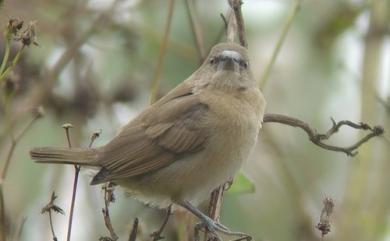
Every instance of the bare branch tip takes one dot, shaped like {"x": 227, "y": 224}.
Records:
{"x": 14, "y": 25}
{"x": 67, "y": 126}
{"x": 136, "y": 220}
{"x": 108, "y": 198}
{"x": 28, "y": 36}
{"x": 134, "y": 230}
{"x": 327, "y": 210}
{"x": 96, "y": 134}
{"x": 51, "y": 206}
{"x": 333, "y": 121}
{"x": 378, "y": 130}
{"x": 353, "y": 153}
{"x": 225, "y": 21}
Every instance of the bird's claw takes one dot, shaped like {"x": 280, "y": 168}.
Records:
{"x": 211, "y": 226}
{"x": 156, "y": 236}
{"x": 214, "y": 228}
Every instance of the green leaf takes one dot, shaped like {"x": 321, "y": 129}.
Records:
{"x": 241, "y": 184}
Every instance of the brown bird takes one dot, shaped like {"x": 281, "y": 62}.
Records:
{"x": 185, "y": 145}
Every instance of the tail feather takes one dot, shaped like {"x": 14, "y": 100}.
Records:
{"x": 63, "y": 155}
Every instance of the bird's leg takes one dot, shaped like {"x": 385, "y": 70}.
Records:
{"x": 212, "y": 226}
{"x": 157, "y": 234}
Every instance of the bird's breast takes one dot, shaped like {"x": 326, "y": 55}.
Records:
{"x": 234, "y": 120}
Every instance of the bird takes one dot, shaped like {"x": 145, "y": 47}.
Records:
{"x": 186, "y": 144}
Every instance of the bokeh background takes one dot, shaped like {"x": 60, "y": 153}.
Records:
{"x": 94, "y": 68}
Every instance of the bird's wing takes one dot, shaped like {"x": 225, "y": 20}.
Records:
{"x": 168, "y": 129}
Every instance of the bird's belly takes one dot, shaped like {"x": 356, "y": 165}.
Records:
{"x": 194, "y": 177}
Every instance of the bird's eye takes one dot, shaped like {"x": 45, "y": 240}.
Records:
{"x": 212, "y": 60}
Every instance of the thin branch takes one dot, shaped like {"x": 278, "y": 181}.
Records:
{"x": 327, "y": 209}
{"x": 14, "y": 142}
{"x": 222, "y": 30}
{"x": 231, "y": 30}
{"x": 109, "y": 198}
{"x": 69, "y": 53}
{"x": 13, "y": 63}
{"x": 51, "y": 74}
{"x": 48, "y": 208}
{"x": 52, "y": 227}
{"x": 226, "y": 23}
{"x": 12, "y": 30}
{"x": 236, "y": 6}
{"x": 67, "y": 126}
{"x": 134, "y": 230}
{"x": 317, "y": 138}
{"x": 95, "y": 135}
{"x": 196, "y": 29}
{"x": 157, "y": 234}
{"x": 6, "y": 52}
{"x": 293, "y": 12}
{"x": 215, "y": 205}
{"x": 163, "y": 46}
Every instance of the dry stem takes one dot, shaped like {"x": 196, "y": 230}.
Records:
{"x": 69, "y": 53}
{"x": 294, "y": 10}
{"x": 324, "y": 224}
{"x": 215, "y": 205}
{"x": 109, "y": 198}
{"x": 160, "y": 62}
{"x": 236, "y": 7}
{"x": 75, "y": 181}
{"x": 196, "y": 30}
{"x": 48, "y": 209}
{"x": 157, "y": 235}
{"x": 317, "y": 138}
{"x": 76, "y": 176}
{"x": 14, "y": 141}
{"x": 134, "y": 230}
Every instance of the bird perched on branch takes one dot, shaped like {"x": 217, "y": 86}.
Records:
{"x": 185, "y": 145}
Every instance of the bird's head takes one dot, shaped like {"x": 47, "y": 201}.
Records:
{"x": 228, "y": 64}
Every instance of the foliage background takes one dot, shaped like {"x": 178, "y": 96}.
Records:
{"x": 331, "y": 65}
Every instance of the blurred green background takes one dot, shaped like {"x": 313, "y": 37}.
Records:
{"x": 335, "y": 62}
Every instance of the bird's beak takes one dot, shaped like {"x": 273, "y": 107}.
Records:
{"x": 229, "y": 61}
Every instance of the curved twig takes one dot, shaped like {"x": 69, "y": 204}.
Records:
{"x": 318, "y": 138}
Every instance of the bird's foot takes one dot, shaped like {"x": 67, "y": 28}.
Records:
{"x": 215, "y": 228}
{"x": 156, "y": 236}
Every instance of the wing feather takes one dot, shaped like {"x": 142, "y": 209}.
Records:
{"x": 170, "y": 128}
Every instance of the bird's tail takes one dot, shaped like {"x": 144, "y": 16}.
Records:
{"x": 63, "y": 155}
